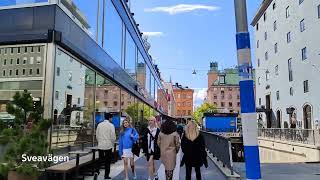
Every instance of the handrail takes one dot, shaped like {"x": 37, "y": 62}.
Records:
{"x": 220, "y": 147}
{"x": 303, "y": 136}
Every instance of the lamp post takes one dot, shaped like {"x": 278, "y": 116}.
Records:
{"x": 247, "y": 100}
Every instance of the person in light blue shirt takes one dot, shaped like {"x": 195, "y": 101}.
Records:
{"x": 128, "y": 136}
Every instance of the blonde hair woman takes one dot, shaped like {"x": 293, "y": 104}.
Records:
{"x": 150, "y": 146}
{"x": 128, "y": 136}
{"x": 193, "y": 143}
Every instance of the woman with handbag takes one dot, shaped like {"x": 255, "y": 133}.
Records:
{"x": 150, "y": 146}
{"x": 127, "y": 139}
{"x": 169, "y": 143}
{"x": 194, "y": 152}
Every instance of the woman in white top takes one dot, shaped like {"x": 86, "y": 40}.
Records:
{"x": 150, "y": 146}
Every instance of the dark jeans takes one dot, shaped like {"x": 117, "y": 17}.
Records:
{"x": 189, "y": 171}
{"x": 104, "y": 157}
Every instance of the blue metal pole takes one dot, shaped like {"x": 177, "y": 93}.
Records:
{"x": 247, "y": 99}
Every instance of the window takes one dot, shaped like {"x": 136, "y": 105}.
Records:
{"x": 238, "y": 104}
{"x": 11, "y": 50}
{"x": 274, "y": 6}
{"x": 274, "y": 25}
{"x": 23, "y": 72}
{"x": 305, "y": 86}
{"x": 258, "y": 44}
{"x": 38, "y": 60}
{"x": 259, "y": 101}
{"x": 5, "y": 62}
{"x": 259, "y": 80}
{"x": 4, "y": 73}
{"x": 258, "y": 62}
{"x": 276, "y": 70}
{"x": 257, "y": 26}
{"x": 17, "y": 72}
{"x": 290, "y": 70}
{"x": 70, "y": 76}
{"x": 10, "y": 72}
{"x": 222, "y": 104}
{"x": 18, "y": 61}
{"x": 25, "y": 49}
{"x": 179, "y": 96}
{"x": 31, "y": 60}
{"x": 11, "y": 61}
{"x": 179, "y": 104}
{"x": 230, "y": 104}
{"x": 287, "y": 12}
{"x": 183, "y": 104}
{"x": 318, "y": 11}
{"x": 278, "y": 95}
{"x": 222, "y": 94}
{"x": 30, "y": 71}
{"x": 130, "y": 56}
{"x": 288, "y": 37}
{"x": 222, "y": 80}
{"x": 230, "y": 96}
{"x": 24, "y": 60}
{"x": 304, "y": 53}
{"x": 238, "y": 96}
{"x": 215, "y": 97}
{"x": 276, "y": 48}
{"x": 184, "y": 112}
{"x": 266, "y": 56}
{"x": 302, "y": 26}
{"x": 19, "y": 50}
{"x": 267, "y": 75}
{"x": 32, "y": 50}
{"x": 115, "y": 103}
{"x": 38, "y": 71}
{"x": 58, "y": 71}
{"x": 184, "y": 96}
{"x": 291, "y": 91}
{"x": 264, "y": 16}
{"x": 5, "y": 50}
{"x": 189, "y": 112}
{"x": 265, "y": 36}
{"x": 57, "y": 95}
{"x": 300, "y": 1}
{"x": 39, "y": 49}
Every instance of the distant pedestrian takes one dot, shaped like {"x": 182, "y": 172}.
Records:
{"x": 193, "y": 147}
{"x": 293, "y": 123}
{"x": 180, "y": 130}
{"x": 169, "y": 143}
{"x": 150, "y": 147}
{"x": 106, "y": 137}
{"x": 128, "y": 136}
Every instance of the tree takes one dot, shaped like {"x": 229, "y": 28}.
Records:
{"x": 204, "y": 108}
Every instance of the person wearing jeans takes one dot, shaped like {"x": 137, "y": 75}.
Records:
{"x": 106, "y": 137}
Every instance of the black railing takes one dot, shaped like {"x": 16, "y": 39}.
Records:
{"x": 219, "y": 147}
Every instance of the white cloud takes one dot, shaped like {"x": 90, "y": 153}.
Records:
{"x": 199, "y": 95}
{"x": 153, "y": 34}
{"x": 182, "y": 8}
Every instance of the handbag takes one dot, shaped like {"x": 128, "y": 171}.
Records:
{"x": 135, "y": 147}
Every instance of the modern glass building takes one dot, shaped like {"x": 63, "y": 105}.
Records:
{"x": 79, "y": 59}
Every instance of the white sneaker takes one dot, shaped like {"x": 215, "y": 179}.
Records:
{"x": 135, "y": 177}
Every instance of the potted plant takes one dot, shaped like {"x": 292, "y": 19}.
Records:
{"x": 27, "y": 137}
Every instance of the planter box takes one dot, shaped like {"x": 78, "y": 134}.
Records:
{"x": 13, "y": 175}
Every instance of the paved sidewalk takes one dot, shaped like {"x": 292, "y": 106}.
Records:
{"x": 117, "y": 173}
{"x": 298, "y": 171}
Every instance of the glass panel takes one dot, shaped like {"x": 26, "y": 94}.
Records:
{"x": 112, "y": 41}
{"x": 19, "y": 2}
{"x": 130, "y": 60}
{"x": 141, "y": 71}
{"x": 148, "y": 81}
{"x": 86, "y": 13}
{"x": 73, "y": 104}
{"x": 152, "y": 87}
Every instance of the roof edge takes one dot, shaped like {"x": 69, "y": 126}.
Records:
{"x": 265, "y": 4}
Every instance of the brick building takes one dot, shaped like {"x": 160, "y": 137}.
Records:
{"x": 184, "y": 101}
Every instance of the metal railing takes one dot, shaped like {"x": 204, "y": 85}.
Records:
{"x": 220, "y": 147}
{"x": 303, "y": 136}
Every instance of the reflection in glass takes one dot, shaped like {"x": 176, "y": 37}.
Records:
{"x": 112, "y": 41}
{"x": 73, "y": 104}
{"x": 152, "y": 87}
{"x": 148, "y": 81}
{"x": 130, "y": 60}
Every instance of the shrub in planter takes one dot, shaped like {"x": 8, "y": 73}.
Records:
{"x": 21, "y": 141}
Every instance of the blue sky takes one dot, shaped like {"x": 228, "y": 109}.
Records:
{"x": 189, "y": 34}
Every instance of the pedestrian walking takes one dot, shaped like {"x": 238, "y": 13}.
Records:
{"x": 128, "y": 136}
{"x": 169, "y": 143}
{"x": 150, "y": 147}
{"x": 106, "y": 137}
{"x": 180, "y": 130}
{"x": 193, "y": 147}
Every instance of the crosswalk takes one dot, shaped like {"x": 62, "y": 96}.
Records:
{"x": 142, "y": 171}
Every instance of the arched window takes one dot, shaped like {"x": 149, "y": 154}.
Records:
{"x": 307, "y": 113}
{"x": 278, "y": 119}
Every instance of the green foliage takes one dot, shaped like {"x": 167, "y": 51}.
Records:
{"x": 31, "y": 141}
{"x": 204, "y": 108}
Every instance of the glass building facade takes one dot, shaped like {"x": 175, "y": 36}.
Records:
{"x": 94, "y": 61}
